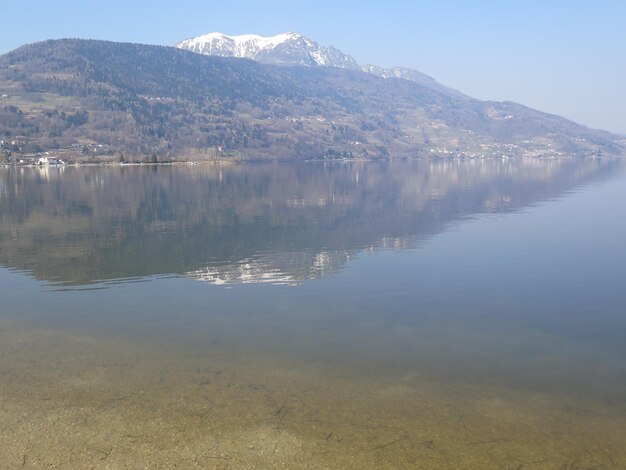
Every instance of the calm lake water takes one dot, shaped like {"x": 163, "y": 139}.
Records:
{"x": 444, "y": 314}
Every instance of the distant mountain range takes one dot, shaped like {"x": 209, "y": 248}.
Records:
{"x": 295, "y": 49}
{"x": 282, "y": 49}
{"x": 86, "y": 98}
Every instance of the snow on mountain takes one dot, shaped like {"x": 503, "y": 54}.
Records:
{"x": 295, "y": 49}
{"x": 282, "y": 49}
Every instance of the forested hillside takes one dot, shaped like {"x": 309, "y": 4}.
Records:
{"x": 105, "y": 98}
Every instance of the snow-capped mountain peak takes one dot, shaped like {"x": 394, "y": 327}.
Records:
{"x": 295, "y": 49}
{"x": 282, "y": 49}
{"x": 241, "y": 45}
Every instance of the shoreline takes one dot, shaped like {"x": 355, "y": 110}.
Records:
{"x": 228, "y": 161}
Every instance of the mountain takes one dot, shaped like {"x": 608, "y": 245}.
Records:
{"x": 282, "y": 49}
{"x": 84, "y": 98}
{"x": 413, "y": 76}
{"x": 295, "y": 49}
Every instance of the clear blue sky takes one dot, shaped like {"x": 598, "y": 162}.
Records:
{"x": 564, "y": 57}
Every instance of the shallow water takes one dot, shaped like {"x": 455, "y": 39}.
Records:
{"x": 402, "y": 315}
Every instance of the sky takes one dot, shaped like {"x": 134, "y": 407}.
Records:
{"x": 562, "y": 57}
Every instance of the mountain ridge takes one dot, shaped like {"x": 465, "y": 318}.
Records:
{"x": 282, "y": 49}
{"x": 293, "y": 48}
{"x": 138, "y": 101}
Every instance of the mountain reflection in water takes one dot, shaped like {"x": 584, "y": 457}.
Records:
{"x": 271, "y": 223}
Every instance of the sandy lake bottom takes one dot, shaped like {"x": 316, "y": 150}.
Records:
{"x": 70, "y": 400}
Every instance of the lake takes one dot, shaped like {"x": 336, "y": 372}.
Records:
{"x": 404, "y": 314}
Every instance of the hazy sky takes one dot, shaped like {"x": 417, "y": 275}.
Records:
{"x": 564, "y": 57}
